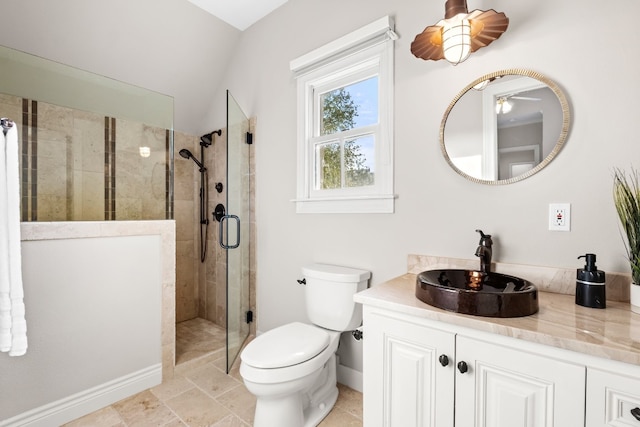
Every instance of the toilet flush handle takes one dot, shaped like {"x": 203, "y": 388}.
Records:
{"x": 302, "y": 282}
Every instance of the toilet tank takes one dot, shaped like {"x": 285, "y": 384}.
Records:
{"x": 329, "y": 295}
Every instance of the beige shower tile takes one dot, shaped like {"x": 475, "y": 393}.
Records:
{"x": 175, "y": 423}
{"x": 52, "y": 208}
{"x": 128, "y": 208}
{"x": 89, "y": 191}
{"x": 349, "y": 400}
{"x": 172, "y": 388}
{"x": 168, "y": 361}
{"x": 241, "y": 402}
{"x": 53, "y": 118}
{"x": 144, "y": 409}
{"x": 128, "y": 135}
{"x": 88, "y": 141}
{"x": 184, "y": 173}
{"x": 195, "y": 408}
{"x": 11, "y": 101}
{"x": 168, "y": 326}
{"x": 185, "y": 363}
{"x": 185, "y": 220}
{"x": 106, "y": 417}
{"x": 154, "y": 137}
{"x": 52, "y": 176}
{"x": 212, "y": 380}
{"x": 235, "y": 369}
{"x": 231, "y": 421}
{"x": 339, "y": 418}
{"x": 131, "y": 174}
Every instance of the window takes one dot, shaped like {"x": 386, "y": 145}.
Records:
{"x": 345, "y": 134}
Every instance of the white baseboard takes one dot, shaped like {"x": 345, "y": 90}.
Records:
{"x": 87, "y": 401}
{"x": 349, "y": 377}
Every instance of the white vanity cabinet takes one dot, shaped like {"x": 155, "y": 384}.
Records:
{"x": 408, "y": 372}
{"x": 515, "y": 386}
{"x": 613, "y": 398}
{"x": 420, "y": 372}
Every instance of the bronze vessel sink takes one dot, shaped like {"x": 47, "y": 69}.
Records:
{"x": 478, "y": 293}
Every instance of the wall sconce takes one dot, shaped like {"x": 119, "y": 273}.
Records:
{"x": 144, "y": 151}
{"x": 459, "y": 33}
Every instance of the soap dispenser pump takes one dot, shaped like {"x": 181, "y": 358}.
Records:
{"x": 590, "y": 288}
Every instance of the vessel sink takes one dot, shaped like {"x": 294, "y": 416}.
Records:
{"x": 477, "y": 293}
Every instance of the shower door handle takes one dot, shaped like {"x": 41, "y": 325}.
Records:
{"x": 221, "y": 232}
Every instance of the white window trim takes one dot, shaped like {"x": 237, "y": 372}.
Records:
{"x": 349, "y": 52}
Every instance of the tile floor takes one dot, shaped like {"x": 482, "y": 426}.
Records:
{"x": 202, "y": 394}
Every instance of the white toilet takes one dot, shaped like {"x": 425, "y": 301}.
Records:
{"x": 292, "y": 369}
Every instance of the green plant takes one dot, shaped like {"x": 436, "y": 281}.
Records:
{"x": 626, "y": 197}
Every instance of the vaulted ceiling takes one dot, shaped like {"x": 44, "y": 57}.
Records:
{"x": 239, "y": 13}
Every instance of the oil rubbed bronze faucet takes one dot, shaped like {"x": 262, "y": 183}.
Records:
{"x": 484, "y": 251}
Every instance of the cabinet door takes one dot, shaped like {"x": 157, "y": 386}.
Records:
{"x": 505, "y": 387}
{"x": 405, "y": 384}
{"x": 613, "y": 400}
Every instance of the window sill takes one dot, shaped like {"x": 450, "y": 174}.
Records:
{"x": 362, "y": 204}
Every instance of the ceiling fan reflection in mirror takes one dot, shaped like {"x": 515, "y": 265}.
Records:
{"x": 503, "y": 106}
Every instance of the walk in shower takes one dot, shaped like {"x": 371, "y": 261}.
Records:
{"x": 95, "y": 149}
{"x": 213, "y": 292}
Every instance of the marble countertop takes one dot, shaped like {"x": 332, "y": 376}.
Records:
{"x": 611, "y": 333}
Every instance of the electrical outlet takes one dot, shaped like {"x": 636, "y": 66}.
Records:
{"x": 559, "y": 216}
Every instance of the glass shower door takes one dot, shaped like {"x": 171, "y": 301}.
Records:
{"x": 236, "y": 229}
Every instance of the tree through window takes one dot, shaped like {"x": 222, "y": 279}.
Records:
{"x": 349, "y": 161}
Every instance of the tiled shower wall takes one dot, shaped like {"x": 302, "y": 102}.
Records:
{"x": 82, "y": 166}
{"x": 201, "y": 287}
{"x": 186, "y": 200}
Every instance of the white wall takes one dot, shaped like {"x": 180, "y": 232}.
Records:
{"x": 93, "y": 302}
{"x": 437, "y": 211}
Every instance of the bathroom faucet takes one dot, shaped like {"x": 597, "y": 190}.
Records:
{"x": 484, "y": 251}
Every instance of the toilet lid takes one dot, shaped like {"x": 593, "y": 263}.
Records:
{"x": 285, "y": 346}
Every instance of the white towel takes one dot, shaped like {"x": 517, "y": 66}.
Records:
{"x": 13, "y": 326}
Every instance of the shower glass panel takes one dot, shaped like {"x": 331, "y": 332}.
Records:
{"x": 91, "y": 148}
{"x": 238, "y": 191}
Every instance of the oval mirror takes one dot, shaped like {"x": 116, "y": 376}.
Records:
{"x": 504, "y": 126}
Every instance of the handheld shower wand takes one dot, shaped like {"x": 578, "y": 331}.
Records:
{"x": 187, "y": 155}
{"x": 205, "y": 141}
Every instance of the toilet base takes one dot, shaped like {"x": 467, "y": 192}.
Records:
{"x": 315, "y": 413}
{"x": 306, "y": 408}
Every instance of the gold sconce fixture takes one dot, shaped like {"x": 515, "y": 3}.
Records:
{"x": 459, "y": 33}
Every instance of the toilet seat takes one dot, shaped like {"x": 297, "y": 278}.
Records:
{"x": 293, "y": 372}
{"x": 287, "y": 345}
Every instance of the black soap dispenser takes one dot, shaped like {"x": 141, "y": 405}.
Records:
{"x": 590, "y": 289}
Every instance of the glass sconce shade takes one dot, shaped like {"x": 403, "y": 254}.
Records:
{"x": 456, "y": 39}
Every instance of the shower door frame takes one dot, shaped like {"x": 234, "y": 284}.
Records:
{"x": 236, "y": 228}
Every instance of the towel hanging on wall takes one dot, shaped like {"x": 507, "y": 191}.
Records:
{"x": 13, "y": 326}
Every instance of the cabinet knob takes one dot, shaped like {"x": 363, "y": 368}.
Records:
{"x": 636, "y": 413}
{"x": 443, "y": 359}
{"x": 462, "y": 367}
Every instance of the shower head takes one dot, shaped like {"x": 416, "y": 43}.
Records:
{"x": 187, "y": 155}
{"x": 207, "y": 139}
